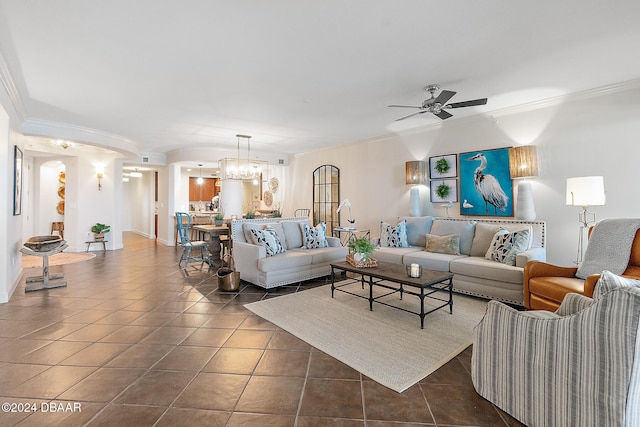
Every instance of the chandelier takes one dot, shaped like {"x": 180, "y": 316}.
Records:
{"x": 241, "y": 169}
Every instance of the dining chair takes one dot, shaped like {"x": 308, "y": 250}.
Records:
{"x": 59, "y": 227}
{"x": 201, "y": 248}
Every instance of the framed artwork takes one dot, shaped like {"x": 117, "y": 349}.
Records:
{"x": 444, "y": 190}
{"x": 486, "y": 188}
{"x": 18, "y": 158}
{"x": 443, "y": 166}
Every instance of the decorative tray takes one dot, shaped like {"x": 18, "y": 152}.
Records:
{"x": 362, "y": 264}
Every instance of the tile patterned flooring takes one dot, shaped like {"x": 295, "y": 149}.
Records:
{"x": 135, "y": 342}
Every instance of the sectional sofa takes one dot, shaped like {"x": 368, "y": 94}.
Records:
{"x": 474, "y": 274}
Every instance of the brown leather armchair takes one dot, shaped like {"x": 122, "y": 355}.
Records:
{"x": 545, "y": 285}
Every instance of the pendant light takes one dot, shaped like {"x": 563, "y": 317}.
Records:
{"x": 200, "y": 181}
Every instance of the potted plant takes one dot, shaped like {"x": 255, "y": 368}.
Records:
{"x": 361, "y": 248}
{"x": 218, "y": 219}
{"x": 99, "y": 229}
{"x": 250, "y": 215}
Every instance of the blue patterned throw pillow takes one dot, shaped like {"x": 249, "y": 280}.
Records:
{"x": 393, "y": 237}
{"x": 505, "y": 245}
{"x": 315, "y": 237}
{"x": 268, "y": 238}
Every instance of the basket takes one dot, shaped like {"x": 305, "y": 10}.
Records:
{"x": 371, "y": 262}
{"x": 228, "y": 277}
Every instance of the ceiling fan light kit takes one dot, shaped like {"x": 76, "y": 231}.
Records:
{"x": 437, "y": 105}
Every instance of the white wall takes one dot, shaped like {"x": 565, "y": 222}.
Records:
{"x": 594, "y": 134}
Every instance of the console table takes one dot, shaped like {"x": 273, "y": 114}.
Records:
{"x": 46, "y": 277}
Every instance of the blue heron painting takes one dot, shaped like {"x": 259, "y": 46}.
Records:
{"x": 485, "y": 183}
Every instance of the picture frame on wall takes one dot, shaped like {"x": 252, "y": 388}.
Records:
{"x": 443, "y": 166}
{"x": 444, "y": 190}
{"x": 18, "y": 159}
{"x": 486, "y": 188}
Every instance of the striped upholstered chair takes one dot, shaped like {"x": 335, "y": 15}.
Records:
{"x": 579, "y": 366}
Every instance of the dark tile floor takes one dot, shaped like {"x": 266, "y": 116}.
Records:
{"x": 134, "y": 342}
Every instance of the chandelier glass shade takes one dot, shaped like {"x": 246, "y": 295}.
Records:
{"x": 237, "y": 168}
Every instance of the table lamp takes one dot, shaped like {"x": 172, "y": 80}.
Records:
{"x": 585, "y": 191}
{"x": 416, "y": 174}
{"x": 523, "y": 163}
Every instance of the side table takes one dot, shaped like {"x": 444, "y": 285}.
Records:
{"x": 345, "y": 234}
{"x": 90, "y": 242}
{"x": 46, "y": 284}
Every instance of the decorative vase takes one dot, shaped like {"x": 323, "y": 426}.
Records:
{"x": 98, "y": 236}
{"x": 358, "y": 256}
{"x": 218, "y": 222}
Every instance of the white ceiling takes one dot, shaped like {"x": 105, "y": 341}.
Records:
{"x": 299, "y": 75}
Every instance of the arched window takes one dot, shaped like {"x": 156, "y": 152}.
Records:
{"x": 326, "y": 196}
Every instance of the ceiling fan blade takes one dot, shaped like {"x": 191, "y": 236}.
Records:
{"x": 404, "y": 106}
{"x": 411, "y": 115}
{"x": 443, "y": 115}
{"x": 471, "y": 103}
{"x": 444, "y": 96}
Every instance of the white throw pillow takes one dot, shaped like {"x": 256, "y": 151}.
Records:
{"x": 505, "y": 246}
{"x": 315, "y": 237}
{"x": 393, "y": 237}
{"x": 268, "y": 238}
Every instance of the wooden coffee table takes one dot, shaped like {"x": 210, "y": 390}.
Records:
{"x": 394, "y": 278}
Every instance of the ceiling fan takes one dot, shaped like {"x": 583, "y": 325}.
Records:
{"x": 437, "y": 105}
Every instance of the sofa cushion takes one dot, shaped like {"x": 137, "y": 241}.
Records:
{"x": 315, "y": 237}
{"x": 449, "y": 244}
{"x": 430, "y": 260}
{"x": 293, "y": 233}
{"x": 285, "y": 261}
{"x": 417, "y": 228}
{"x": 268, "y": 238}
{"x": 465, "y": 229}
{"x": 275, "y": 226}
{"x": 486, "y": 269}
{"x": 325, "y": 255}
{"x": 505, "y": 245}
{"x": 482, "y": 238}
{"x": 393, "y": 237}
{"x": 394, "y": 255}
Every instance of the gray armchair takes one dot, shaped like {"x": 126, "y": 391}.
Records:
{"x": 579, "y": 366}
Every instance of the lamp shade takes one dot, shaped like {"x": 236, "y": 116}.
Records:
{"x": 586, "y": 191}
{"x": 416, "y": 172}
{"x": 523, "y": 161}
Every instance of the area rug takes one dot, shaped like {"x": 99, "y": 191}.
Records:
{"x": 29, "y": 261}
{"x": 386, "y": 344}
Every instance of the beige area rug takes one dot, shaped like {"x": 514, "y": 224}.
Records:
{"x": 29, "y": 261}
{"x": 385, "y": 344}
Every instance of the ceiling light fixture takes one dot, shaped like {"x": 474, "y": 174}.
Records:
{"x": 62, "y": 143}
{"x": 200, "y": 180}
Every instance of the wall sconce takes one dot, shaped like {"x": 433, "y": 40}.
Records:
{"x": 415, "y": 174}
{"x": 523, "y": 163}
{"x": 99, "y": 175}
{"x": 585, "y": 191}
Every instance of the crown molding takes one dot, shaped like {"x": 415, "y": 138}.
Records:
{"x": 80, "y": 134}
{"x": 12, "y": 90}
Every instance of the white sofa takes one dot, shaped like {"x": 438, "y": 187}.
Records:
{"x": 294, "y": 265}
{"x": 473, "y": 274}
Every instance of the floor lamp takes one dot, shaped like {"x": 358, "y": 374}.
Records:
{"x": 416, "y": 175}
{"x": 585, "y": 191}
{"x": 523, "y": 163}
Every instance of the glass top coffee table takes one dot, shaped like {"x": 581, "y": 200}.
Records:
{"x": 394, "y": 278}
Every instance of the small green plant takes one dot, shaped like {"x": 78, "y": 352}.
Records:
{"x": 218, "y": 216}
{"x": 443, "y": 190}
{"x": 100, "y": 228}
{"x": 363, "y": 246}
{"x": 250, "y": 215}
{"x": 442, "y": 165}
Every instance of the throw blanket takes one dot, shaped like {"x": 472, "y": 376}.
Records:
{"x": 609, "y": 247}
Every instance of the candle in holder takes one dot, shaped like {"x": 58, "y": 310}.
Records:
{"x": 414, "y": 270}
